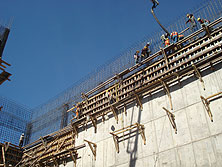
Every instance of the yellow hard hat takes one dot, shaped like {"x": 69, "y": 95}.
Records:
{"x": 198, "y": 19}
{"x": 188, "y": 15}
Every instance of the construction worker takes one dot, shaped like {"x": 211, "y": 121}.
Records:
{"x": 167, "y": 42}
{"x": 192, "y": 21}
{"x": 180, "y": 36}
{"x": 136, "y": 57}
{"x": 78, "y": 110}
{"x": 145, "y": 51}
{"x": 21, "y": 140}
{"x": 163, "y": 38}
{"x": 203, "y": 22}
{"x": 155, "y": 3}
{"x": 110, "y": 97}
{"x": 174, "y": 36}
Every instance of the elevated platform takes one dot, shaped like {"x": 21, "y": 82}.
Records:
{"x": 176, "y": 63}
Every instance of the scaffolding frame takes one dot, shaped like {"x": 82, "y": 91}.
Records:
{"x": 206, "y": 103}
{"x": 116, "y": 134}
{"x": 106, "y": 74}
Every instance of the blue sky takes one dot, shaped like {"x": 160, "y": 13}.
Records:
{"x": 54, "y": 43}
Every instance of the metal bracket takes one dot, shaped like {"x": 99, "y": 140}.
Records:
{"x": 198, "y": 75}
{"x": 93, "y": 147}
{"x": 206, "y": 103}
{"x": 167, "y": 90}
{"x": 171, "y": 117}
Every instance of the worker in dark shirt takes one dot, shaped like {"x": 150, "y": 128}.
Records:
{"x": 21, "y": 140}
{"x": 145, "y": 51}
{"x": 203, "y": 22}
{"x": 192, "y": 23}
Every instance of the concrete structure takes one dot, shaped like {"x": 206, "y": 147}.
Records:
{"x": 198, "y": 141}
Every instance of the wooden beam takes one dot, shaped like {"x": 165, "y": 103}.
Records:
{"x": 167, "y": 90}
{"x": 75, "y": 129}
{"x": 60, "y": 146}
{"x": 141, "y": 131}
{"x": 43, "y": 143}
{"x": 139, "y": 101}
{"x": 207, "y": 29}
{"x": 114, "y": 113}
{"x": 171, "y": 117}
{"x": 74, "y": 157}
{"x": 6, "y": 146}
{"x": 116, "y": 142}
{"x": 124, "y": 109}
{"x": 93, "y": 147}
{"x": 165, "y": 57}
{"x": 206, "y": 104}
{"x": 55, "y": 161}
{"x": 94, "y": 122}
{"x": 3, "y": 156}
{"x": 128, "y": 128}
{"x": 198, "y": 75}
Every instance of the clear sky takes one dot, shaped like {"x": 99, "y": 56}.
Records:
{"x": 54, "y": 43}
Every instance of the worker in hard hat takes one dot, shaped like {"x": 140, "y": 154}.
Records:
{"x": 167, "y": 42}
{"x": 136, "y": 57}
{"x": 145, "y": 51}
{"x": 155, "y": 3}
{"x": 174, "y": 36}
{"x": 192, "y": 23}
{"x": 203, "y": 22}
{"x": 21, "y": 140}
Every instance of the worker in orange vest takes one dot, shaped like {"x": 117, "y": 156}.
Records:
{"x": 167, "y": 42}
{"x": 174, "y": 36}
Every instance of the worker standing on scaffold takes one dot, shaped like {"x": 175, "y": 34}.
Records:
{"x": 145, "y": 53}
{"x": 21, "y": 140}
{"x": 136, "y": 57}
{"x": 192, "y": 21}
{"x": 155, "y": 3}
{"x": 174, "y": 36}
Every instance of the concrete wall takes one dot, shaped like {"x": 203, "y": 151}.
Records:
{"x": 197, "y": 143}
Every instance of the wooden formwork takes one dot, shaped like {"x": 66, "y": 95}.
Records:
{"x": 127, "y": 87}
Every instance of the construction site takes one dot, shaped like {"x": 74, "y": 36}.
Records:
{"x": 163, "y": 111}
